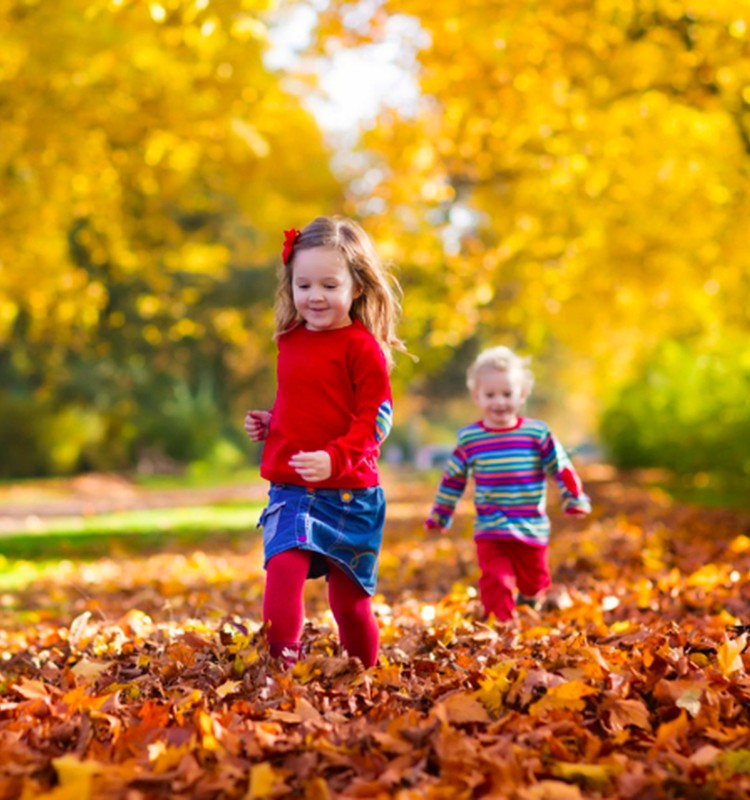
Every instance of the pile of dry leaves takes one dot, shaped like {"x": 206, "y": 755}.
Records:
{"x": 149, "y": 677}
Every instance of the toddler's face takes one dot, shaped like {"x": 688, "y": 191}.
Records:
{"x": 322, "y": 288}
{"x": 500, "y": 395}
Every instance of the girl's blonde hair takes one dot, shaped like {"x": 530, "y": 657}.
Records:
{"x": 377, "y": 293}
{"x": 505, "y": 360}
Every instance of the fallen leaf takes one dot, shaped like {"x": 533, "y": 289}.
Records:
{"x": 729, "y": 654}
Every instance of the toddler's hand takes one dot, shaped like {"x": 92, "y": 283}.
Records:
{"x": 576, "y": 512}
{"x": 313, "y": 466}
{"x": 431, "y": 525}
{"x": 256, "y": 424}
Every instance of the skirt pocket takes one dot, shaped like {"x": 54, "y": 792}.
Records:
{"x": 269, "y": 521}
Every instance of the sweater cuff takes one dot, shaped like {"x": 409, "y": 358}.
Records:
{"x": 335, "y": 457}
{"x": 582, "y": 504}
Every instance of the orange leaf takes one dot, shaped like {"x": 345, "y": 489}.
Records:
{"x": 669, "y": 732}
{"x": 460, "y": 709}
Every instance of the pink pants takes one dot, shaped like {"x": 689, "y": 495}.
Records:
{"x": 508, "y": 565}
{"x": 283, "y": 607}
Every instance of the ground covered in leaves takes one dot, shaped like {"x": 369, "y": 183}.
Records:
{"x": 148, "y": 677}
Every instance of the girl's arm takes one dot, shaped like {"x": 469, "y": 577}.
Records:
{"x": 372, "y": 415}
{"x": 256, "y": 424}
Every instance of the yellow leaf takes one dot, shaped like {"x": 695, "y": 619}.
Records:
{"x": 90, "y": 670}
{"x": 227, "y": 688}
{"x": 164, "y": 758}
{"x": 595, "y": 775}
{"x": 493, "y": 689}
{"x": 75, "y": 779}
{"x": 264, "y": 781}
{"x": 208, "y": 729}
{"x": 729, "y": 654}
{"x": 568, "y": 696}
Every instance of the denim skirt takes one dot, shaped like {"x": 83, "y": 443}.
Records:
{"x": 344, "y": 526}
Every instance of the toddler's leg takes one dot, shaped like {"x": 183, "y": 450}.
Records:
{"x": 283, "y": 601}
{"x": 497, "y": 579}
{"x": 532, "y": 569}
{"x": 352, "y": 608}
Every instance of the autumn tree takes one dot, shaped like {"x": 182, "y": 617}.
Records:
{"x": 575, "y": 174}
{"x": 150, "y": 160}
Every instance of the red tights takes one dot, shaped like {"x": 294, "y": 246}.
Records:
{"x": 284, "y": 608}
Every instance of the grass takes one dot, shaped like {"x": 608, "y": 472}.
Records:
{"x": 32, "y": 552}
{"x": 709, "y": 490}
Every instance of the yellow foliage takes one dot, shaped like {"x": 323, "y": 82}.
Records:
{"x": 587, "y": 164}
{"x": 154, "y": 144}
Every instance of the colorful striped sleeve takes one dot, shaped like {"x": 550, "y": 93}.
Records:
{"x": 451, "y": 488}
{"x": 557, "y": 465}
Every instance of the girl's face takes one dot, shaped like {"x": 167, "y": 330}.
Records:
{"x": 500, "y": 395}
{"x": 322, "y": 288}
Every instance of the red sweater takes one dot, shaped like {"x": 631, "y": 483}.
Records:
{"x": 333, "y": 394}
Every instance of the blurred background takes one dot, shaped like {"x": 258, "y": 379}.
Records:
{"x": 570, "y": 178}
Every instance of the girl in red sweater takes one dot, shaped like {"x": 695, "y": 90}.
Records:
{"x": 336, "y": 309}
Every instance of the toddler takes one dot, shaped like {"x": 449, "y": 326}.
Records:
{"x": 510, "y": 457}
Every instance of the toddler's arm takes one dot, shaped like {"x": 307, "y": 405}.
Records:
{"x": 558, "y": 465}
{"x": 449, "y": 492}
{"x": 256, "y": 424}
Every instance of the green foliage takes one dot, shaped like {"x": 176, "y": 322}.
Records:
{"x": 685, "y": 410}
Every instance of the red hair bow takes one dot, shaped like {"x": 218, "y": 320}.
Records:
{"x": 290, "y": 237}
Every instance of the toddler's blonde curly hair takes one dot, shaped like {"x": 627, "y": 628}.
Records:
{"x": 502, "y": 359}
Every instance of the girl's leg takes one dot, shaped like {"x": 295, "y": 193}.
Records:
{"x": 352, "y": 609}
{"x": 497, "y": 580}
{"x": 283, "y": 601}
{"x": 532, "y": 570}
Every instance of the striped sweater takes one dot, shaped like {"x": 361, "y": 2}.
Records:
{"x": 510, "y": 467}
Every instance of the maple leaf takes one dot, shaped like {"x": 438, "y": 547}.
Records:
{"x": 623, "y": 712}
{"x": 670, "y": 732}
{"x": 597, "y": 776}
{"x": 729, "y": 654}
{"x": 690, "y": 701}
{"x": 494, "y": 687}
{"x": 265, "y": 781}
{"x": 90, "y": 670}
{"x": 461, "y": 709}
{"x": 567, "y": 696}
{"x": 75, "y": 779}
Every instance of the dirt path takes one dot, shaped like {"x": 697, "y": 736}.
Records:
{"x": 88, "y": 495}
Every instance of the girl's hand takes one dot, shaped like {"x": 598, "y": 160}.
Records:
{"x": 431, "y": 525}
{"x": 256, "y": 424}
{"x": 313, "y": 466}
